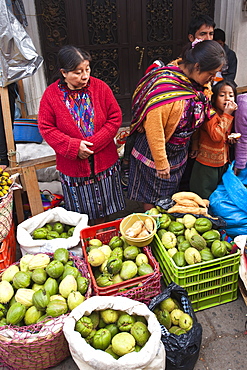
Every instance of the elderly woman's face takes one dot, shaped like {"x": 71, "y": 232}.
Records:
{"x": 79, "y": 77}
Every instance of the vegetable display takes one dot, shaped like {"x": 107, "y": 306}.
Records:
{"x": 189, "y": 240}
{"x": 39, "y": 288}
{"x": 116, "y": 261}
{"x": 53, "y": 230}
{"x": 172, "y": 317}
{"x": 113, "y": 331}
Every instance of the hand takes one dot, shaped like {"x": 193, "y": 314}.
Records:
{"x": 232, "y": 141}
{"x": 193, "y": 153}
{"x": 236, "y": 171}
{"x": 84, "y": 152}
{"x": 230, "y": 107}
{"x": 164, "y": 174}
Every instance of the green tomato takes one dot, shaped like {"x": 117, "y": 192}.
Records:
{"x": 101, "y": 339}
{"x": 58, "y": 227}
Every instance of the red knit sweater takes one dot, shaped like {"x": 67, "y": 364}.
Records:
{"x": 60, "y": 131}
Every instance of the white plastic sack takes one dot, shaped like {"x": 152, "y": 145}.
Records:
{"x": 29, "y": 245}
{"x": 30, "y": 151}
{"x": 151, "y": 357}
{"x": 241, "y": 240}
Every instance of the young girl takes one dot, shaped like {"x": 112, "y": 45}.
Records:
{"x": 212, "y": 143}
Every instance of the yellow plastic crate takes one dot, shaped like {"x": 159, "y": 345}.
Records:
{"x": 208, "y": 283}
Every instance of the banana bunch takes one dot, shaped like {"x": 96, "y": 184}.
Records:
{"x": 5, "y": 182}
{"x": 189, "y": 202}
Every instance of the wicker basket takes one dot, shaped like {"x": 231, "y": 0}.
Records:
{"x": 6, "y": 215}
{"x": 39, "y": 346}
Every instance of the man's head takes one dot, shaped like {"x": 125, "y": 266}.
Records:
{"x": 220, "y": 36}
{"x": 201, "y": 27}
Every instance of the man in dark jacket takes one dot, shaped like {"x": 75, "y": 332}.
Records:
{"x": 230, "y": 69}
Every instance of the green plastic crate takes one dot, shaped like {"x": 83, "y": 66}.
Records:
{"x": 208, "y": 283}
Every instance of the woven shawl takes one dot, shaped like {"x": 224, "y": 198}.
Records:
{"x": 162, "y": 86}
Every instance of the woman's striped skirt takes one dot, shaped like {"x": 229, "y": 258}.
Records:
{"x": 97, "y": 196}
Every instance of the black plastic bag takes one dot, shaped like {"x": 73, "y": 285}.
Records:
{"x": 182, "y": 351}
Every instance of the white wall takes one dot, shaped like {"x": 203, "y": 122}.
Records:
{"x": 35, "y": 85}
{"x": 230, "y": 17}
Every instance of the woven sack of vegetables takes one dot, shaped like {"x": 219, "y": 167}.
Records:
{"x": 36, "y": 295}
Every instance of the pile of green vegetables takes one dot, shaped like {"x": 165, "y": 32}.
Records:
{"x": 189, "y": 240}
{"x": 53, "y": 230}
{"x": 40, "y": 287}
{"x": 116, "y": 261}
{"x": 115, "y": 332}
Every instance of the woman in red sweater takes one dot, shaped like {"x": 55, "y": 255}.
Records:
{"x": 79, "y": 118}
{"x": 213, "y": 143}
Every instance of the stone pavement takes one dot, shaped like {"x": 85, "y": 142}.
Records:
{"x": 223, "y": 339}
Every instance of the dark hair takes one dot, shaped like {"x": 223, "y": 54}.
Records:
{"x": 69, "y": 57}
{"x": 209, "y": 55}
{"x": 219, "y": 34}
{"x": 197, "y": 22}
{"x": 216, "y": 88}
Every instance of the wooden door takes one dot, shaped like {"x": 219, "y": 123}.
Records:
{"x": 123, "y": 36}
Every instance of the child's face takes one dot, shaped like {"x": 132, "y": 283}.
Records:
{"x": 225, "y": 96}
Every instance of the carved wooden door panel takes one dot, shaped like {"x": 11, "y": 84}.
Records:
{"x": 123, "y": 36}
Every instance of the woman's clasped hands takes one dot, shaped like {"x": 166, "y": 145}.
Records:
{"x": 84, "y": 152}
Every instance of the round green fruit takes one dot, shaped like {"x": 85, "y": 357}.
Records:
{"x": 84, "y": 326}
{"x": 62, "y": 255}
{"x": 140, "y": 259}
{"x": 101, "y": 339}
{"x": 145, "y": 269}
{"x": 164, "y": 318}
{"x": 202, "y": 225}
{"x": 58, "y": 227}
{"x": 128, "y": 270}
{"x": 140, "y": 332}
{"x": 55, "y": 269}
{"x": 82, "y": 284}
{"x": 115, "y": 241}
{"x": 131, "y": 252}
{"x": 123, "y": 343}
{"x": 21, "y": 280}
{"x": 39, "y": 276}
{"x": 218, "y": 249}
{"x": 125, "y": 322}
{"x": 56, "y": 308}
